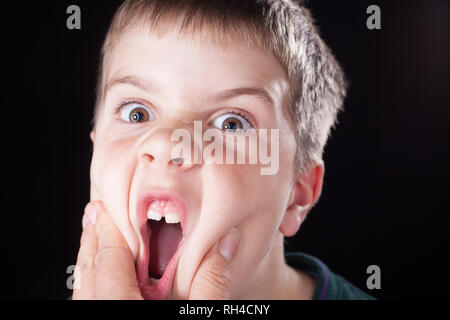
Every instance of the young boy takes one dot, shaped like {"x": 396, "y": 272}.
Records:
{"x": 165, "y": 224}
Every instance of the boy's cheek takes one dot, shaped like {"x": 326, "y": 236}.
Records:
{"x": 95, "y": 193}
{"x": 110, "y": 183}
{"x": 250, "y": 201}
{"x": 237, "y": 194}
{"x": 111, "y": 162}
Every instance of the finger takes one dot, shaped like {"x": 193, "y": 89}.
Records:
{"x": 115, "y": 276}
{"x": 84, "y": 275}
{"x": 213, "y": 278}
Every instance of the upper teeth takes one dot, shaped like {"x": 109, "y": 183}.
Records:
{"x": 170, "y": 217}
{"x": 153, "y": 215}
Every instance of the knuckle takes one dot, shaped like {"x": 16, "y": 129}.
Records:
{"x": 84, "y": 263}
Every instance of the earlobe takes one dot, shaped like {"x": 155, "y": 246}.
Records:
{"x": 304, "y": 195}
{"x": 292, "y": 220}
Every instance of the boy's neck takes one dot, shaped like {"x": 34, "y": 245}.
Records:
{"x": 276, "y": 280}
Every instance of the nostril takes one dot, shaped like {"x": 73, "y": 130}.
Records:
{"x": 177, "y": 161}
{"x": 148, "y": 157}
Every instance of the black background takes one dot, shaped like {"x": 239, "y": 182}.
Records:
{"x": 385, "y": 197}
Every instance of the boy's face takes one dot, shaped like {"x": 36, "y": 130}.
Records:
{"x": 179, "y": 80}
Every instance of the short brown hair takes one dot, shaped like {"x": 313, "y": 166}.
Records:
{"x": 317, "y": 83}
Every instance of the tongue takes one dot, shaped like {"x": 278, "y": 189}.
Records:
{"x": 163, "y": 244}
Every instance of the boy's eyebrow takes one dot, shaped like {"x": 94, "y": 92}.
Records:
{"x": 135, "y": 81}
{"x": 147, "y": 85}
{"x": 259, "y": 92}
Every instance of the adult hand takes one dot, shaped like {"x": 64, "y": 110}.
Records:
{"x": 105, "y": 267}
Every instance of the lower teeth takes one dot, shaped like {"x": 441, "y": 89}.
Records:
{"x": 154, "y": 281}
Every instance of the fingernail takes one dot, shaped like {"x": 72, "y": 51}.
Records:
{"x": 90, "y": 215}
{"x": 229, "y": 244}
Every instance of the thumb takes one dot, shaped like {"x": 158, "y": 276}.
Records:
{"x": 213, "y": 278}
{"x": 115, "y": 276}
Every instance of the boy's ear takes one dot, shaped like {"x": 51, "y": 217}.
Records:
{"x": 92, "y": 135}
{"x": 304, "y": 195}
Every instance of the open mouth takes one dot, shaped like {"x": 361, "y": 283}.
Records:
{"x": 165, "y": 234}
{"x": 161, "y": 218}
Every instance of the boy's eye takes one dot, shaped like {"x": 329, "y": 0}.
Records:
{"x": 232, "y": 122}
{"x": 135, "y": 113}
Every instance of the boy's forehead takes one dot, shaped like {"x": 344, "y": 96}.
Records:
{"x": 164, "y": 61}
{"x": 189, "y": 45}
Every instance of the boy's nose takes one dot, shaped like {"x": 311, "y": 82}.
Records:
{"x": 159, "y": 150}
